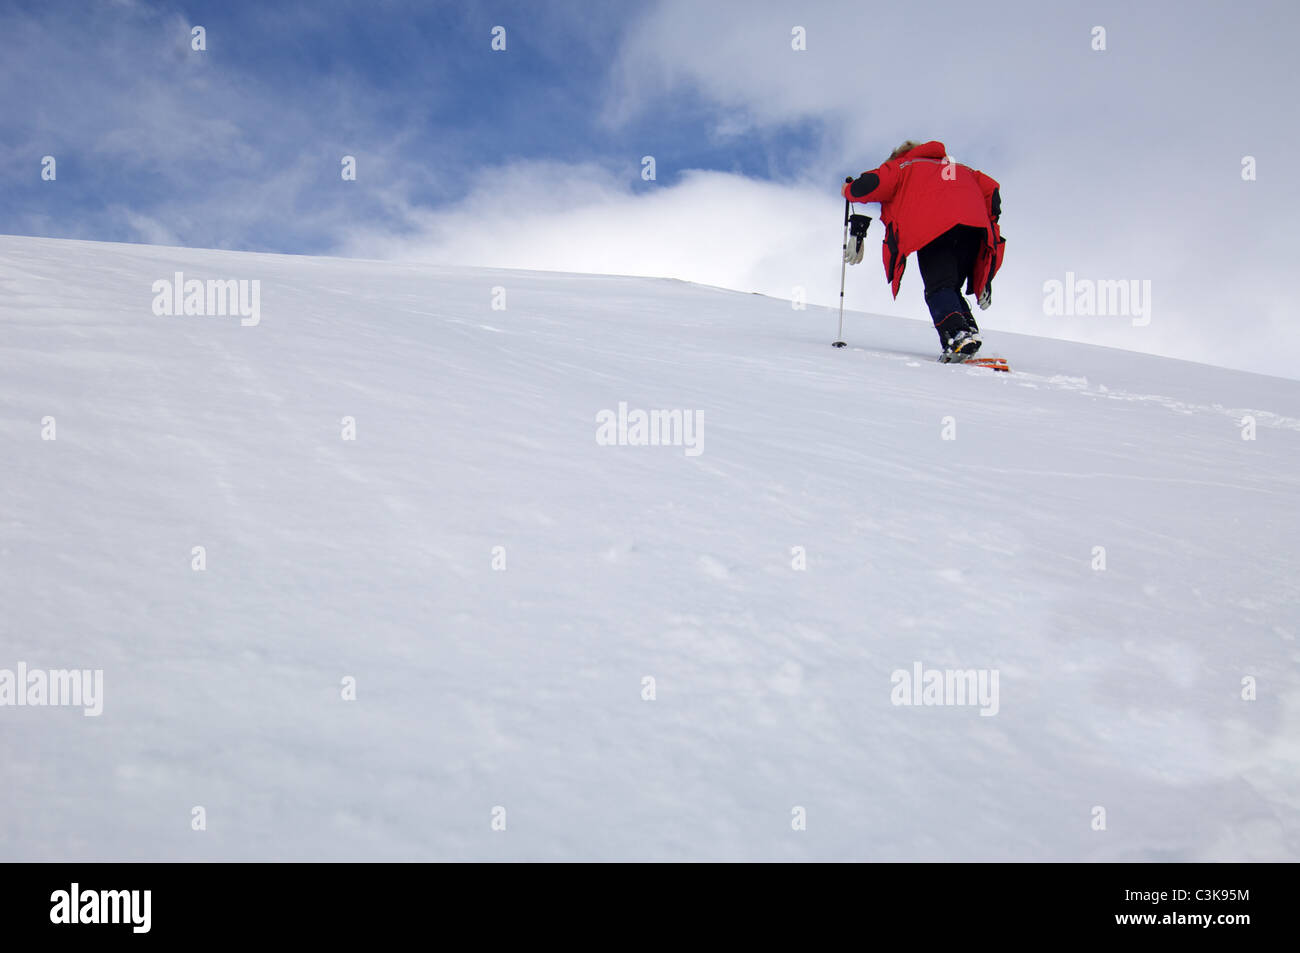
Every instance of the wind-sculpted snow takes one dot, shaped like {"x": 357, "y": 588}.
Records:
{"x": 436, "y": 563}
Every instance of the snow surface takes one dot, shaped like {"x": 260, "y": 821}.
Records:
{"x": 522, "y": 688}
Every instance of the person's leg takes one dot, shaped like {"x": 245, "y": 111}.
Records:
{"x": 967, "y": 249}
{"x": 941, "y": 270}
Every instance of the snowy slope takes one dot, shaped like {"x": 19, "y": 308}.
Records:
{"x": 522, "y": 688}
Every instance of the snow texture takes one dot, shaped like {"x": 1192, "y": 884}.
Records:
{"x": 523, "y": 688}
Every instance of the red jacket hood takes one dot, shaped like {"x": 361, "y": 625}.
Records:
{"x": 934, "y": 149}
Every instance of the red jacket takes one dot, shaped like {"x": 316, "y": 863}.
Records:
{"x": 921, "y": 196}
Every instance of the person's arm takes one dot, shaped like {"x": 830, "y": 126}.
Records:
{"x": 992, "y": 195}
{"x": 875, "y": 186}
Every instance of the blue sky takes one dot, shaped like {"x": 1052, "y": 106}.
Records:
{"x": 1122, "y": 163}
{"x": 139, "y": 123}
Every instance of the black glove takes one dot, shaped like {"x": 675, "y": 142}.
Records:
{"x": 858, "y": 225}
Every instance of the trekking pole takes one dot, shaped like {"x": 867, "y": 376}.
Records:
{"x": 844, "y": 264}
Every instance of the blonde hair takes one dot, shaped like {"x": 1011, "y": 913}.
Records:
{"x": 907, "y": 146}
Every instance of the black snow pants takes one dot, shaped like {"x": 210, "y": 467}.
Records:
{"x": 946, "y": 264}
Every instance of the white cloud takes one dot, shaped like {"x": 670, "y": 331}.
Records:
{"x": 149, "y": 230}
{"x": 711, "y": 227}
